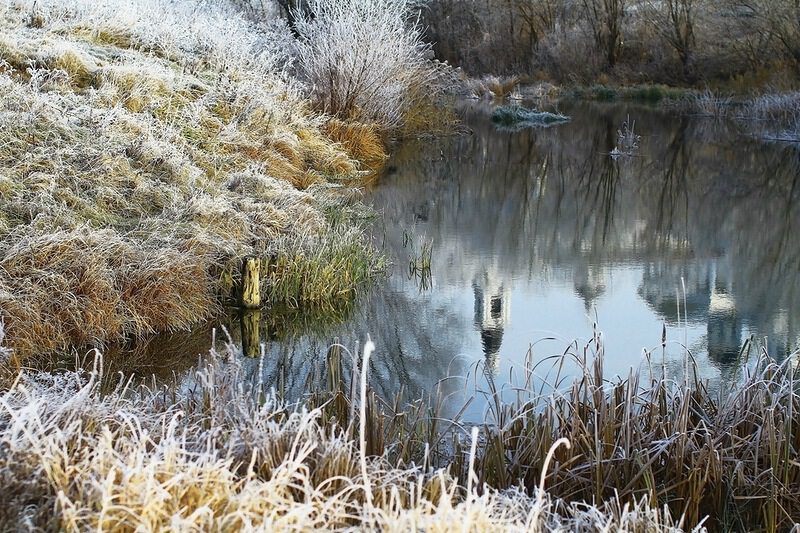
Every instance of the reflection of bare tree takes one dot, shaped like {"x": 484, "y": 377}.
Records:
{"x": 599, "y": 184}
{"x": 408, "y": 357}
{"x": 673, "y": 197}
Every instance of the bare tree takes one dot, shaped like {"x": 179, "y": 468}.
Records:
{"x": 779, "y": 20}
{"x": 539, "y": 18}
{"x": 675, "y": 21}
{"x": 605, "y": 18}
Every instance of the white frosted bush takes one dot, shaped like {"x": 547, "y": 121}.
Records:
{"x": 364, "y": 59}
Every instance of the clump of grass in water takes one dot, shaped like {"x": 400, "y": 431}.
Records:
{"x": 322, "y": 271}
{"x": 778, "y": 114}
{"x": 627, "y": 139}
{"x": 706, "y": 104}
{"x": 514, "y": 117}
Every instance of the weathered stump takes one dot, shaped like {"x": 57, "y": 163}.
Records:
{"x": 251, "y": 291}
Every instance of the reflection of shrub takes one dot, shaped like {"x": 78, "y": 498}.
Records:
{"x": 362, "y": 59}
{"x": 518, "y": 117}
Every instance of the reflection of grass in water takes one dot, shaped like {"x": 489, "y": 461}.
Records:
{"x": 420, "y": 260}
{"x": 514, "y": 117}
{"x": 285, "y": 322}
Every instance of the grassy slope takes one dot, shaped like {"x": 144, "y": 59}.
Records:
{"x": 144, "y": 149}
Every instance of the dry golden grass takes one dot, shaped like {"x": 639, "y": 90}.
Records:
{"x": 142, "y": 153}
{"x": 226, "y": 456}
{"x": 363, "y": 143}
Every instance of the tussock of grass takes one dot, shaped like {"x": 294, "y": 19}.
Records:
{"x": 225, "y": 456}
{"x": 363, "y": 142}
{"x": 490, "y": 87}
{"x": 144, "y": 149}
{"x": 518, "y": 117}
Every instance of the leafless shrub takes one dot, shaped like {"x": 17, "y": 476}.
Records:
{"x": 365, "y": 60}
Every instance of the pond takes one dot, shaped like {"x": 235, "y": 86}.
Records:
{"x": 508, "y": 248}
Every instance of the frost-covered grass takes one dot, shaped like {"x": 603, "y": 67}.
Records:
{"x": 222, "y": 454}
{"x": 771, "y": 116}
{"x": 145, "y": 147}
{"x": 779, "y": 115}
{"x": 490, "y": 87}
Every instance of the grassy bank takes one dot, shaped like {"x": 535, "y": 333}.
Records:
{"x": 145, "y": 150}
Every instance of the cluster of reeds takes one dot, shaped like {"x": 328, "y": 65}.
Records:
{"x": 219, "y": 453}
{"x": 778, "y": 115}
{"x": 627, "y": 139}
{"x": 705, "y": 104}
{"x": 146, "y": 148}
{"x": 722, "y": 458}
{"x": 771, "y": 116}
{"x": 727, "y": 456}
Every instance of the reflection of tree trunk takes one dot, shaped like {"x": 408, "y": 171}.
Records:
{"x": 782, "y": 256}
{"x": 599, "y": 185}
{"x": 673, "y": 185}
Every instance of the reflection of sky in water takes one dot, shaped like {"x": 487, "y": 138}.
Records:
{"x": 538, "y": 233}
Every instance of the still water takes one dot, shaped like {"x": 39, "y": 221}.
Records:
{"x": 538, "y": 239}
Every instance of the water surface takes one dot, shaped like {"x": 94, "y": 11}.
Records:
{"x": 539, "y": 240}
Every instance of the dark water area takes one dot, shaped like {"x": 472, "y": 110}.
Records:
{"x": 539, "y": 240}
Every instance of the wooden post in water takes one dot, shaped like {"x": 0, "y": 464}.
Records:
{"x": 251, "y": 292}
{"x": 251, "y": 340}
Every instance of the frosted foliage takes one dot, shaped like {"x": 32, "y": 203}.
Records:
{"x": 362, "y": 58}
{"x": 221, "y": 454}
{"x": 208, "y": 34}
